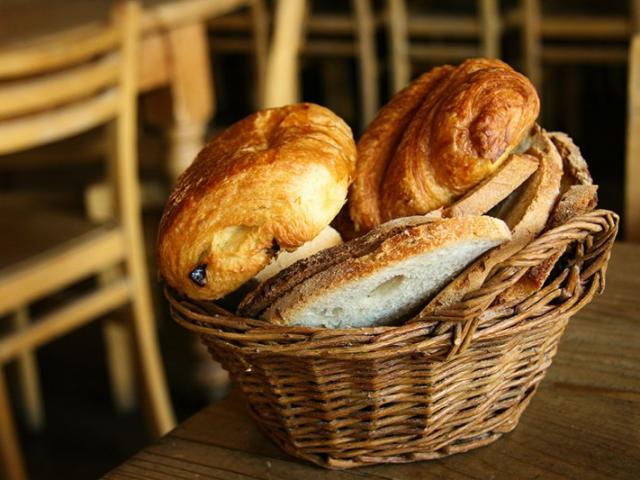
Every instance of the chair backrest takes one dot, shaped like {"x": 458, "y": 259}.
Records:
{"x": 632, "y": 170}
{"x": 74, "y": 82}
{"x": 439, "y": 37}
{"x": 56, "y": 87}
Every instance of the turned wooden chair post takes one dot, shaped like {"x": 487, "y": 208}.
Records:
{"x": 632, "y": 168}
{"x": 83, "y": 79}
{"x": 367, "y": 59}
{"x": 410, "y": 37}
{"x": 281, "y": 78}
{"x": 292, "y": 28}
{"x": 260, "y": 31}
{"x": 531, "y": 41}
{"x": 491, "y": 29}
{"x": 128, "y": 203}
{"x": 398, "y": 45}
{"x": 28, "y": 376}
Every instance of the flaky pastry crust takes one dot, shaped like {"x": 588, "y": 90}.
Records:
{"x": 272, "y": 180}
{"x": 435, "y": 140}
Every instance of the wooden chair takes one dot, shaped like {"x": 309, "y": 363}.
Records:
{"x": 559, "y": 38}
{"x": 246, "y": 31}
{"x": 412, "y": 37}
{"x": 297, "y": 30}
{"x": 632, "y": 171}
{"x": 50, "y": 92}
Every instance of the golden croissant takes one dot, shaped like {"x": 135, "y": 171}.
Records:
{"x": 272, "y": 180}
{"x": 440, "y": 136}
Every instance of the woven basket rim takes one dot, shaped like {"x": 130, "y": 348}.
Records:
{"x": 536, "y": 251}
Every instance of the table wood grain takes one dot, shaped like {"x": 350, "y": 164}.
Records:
{"x": 584, "y": 422}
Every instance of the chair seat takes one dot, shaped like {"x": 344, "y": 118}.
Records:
{"x": 42, "y": 250}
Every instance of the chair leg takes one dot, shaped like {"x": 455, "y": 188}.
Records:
{"x": 260, "y": 27}
{"x": 29, "y": 378}
{"x": 192, "y": 95}
{"x": 117, "y": 339}
{"x": 124, "y": 166}
{"x": 281, "y": 77}
{"x": 490, "y": 20}
{"x": 99, "y": 205}
{"x": 153, "y": 381}
{"x": 398, "y": 45}
{"x": 367, "y": 60}
{"x": 9, "y": 451}
{"x": 632, "y": 167}
{"x": 531, "y": 40}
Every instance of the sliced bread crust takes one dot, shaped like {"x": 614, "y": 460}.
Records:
{"x": 391, "y": 280}
{"x": 482, "y": 198}
{"x": 527, "y": 217}
{"x": 577, "y": 200}
{"x": 270, "y": 290}
{"x": 578, "y": 196}
{"x": 576, "y": 170}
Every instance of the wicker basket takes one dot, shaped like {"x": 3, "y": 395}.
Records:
{"x": 452, "y": 382}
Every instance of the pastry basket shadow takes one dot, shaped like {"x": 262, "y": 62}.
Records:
{"x": 448, "y": 383}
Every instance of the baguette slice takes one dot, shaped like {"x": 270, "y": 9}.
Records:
{"x": 327, "y": 238}
{"x": 389, "y": 282}
{"x": 576, "y": 170}
{"x": 578, "y": 196}
{"x": 529, "y": 210}
{"x": 577, "y": 200}
{"x": 259, "y": 299}
{"x": 509, "y": 176}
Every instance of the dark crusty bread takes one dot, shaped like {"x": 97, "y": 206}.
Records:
{"x": 375, "y": 286}
{"x": 527, "y": 216}
{"x": 578, "y": 196}
{"x": 482, "y": 198}
{"x": 578, "y": 200}
{"x": 267, "y": 292}
{"x": 576, "y": 170}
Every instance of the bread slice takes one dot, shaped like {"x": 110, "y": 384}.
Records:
{"x": 327, "y": 238}
{"x": 259, "y": 299}
{"x": 482, "y": 198}
{"x": 577, "y": 200}
{"x": 527, "y": 216}
{"x": 576, "y": 170}
{"x": 578, "y": 196}
{"x": 400, "y": 274}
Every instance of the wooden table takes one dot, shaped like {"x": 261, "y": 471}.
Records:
{"x": 583, "y": 423}
{"x": 174, "y": 54}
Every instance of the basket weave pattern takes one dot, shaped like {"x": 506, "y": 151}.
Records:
{"x": 447, "y": 382}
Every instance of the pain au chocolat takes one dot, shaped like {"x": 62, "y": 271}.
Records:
{"x": 272, "y": 180}
{"x": 439, "y": 137}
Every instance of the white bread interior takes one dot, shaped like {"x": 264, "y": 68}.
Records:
{"x": 391, "y": 281}
{"x": 328, "y": 237}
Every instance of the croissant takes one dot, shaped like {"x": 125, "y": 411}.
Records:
{"x": 272, "y": 180}
{"x": 440, "y": 136}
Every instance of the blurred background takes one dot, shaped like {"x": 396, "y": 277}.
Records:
{"x": 200, "y": 65}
